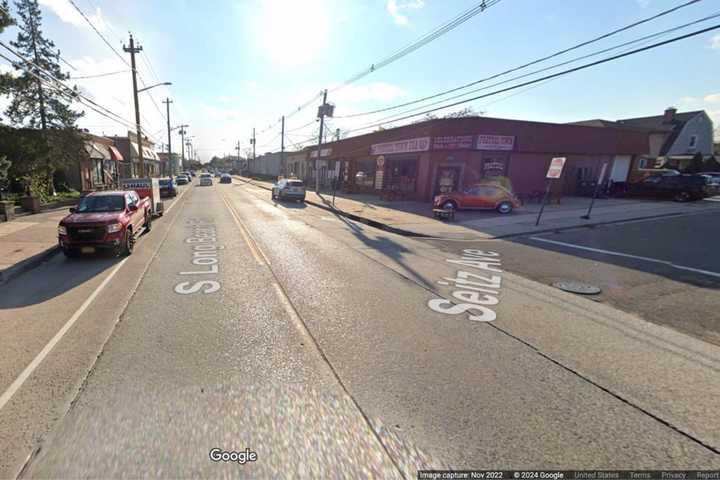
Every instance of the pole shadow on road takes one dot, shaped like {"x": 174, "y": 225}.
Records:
{"x": 53, "y": 279}
{"x": 387, "y": 247}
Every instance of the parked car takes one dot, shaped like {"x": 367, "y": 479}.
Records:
{"x": 109, "y": 220}
{"x": 206, "y": 180}
{"x": 713, "y": 181}
{"x": 681, "y": 188}
{"x": 480, "y": 196}
{"x": 218, "y": 175}
{"x": 192, "y": 173}
{"x": 181, "y": 180}
{"x": 288, "y": 189}
{"x": 225, "y": 178}
{"x": 167, "y": 187}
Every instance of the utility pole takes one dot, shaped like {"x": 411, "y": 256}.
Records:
{"x": 253, "y": 144}
{"x": 132, "y": 49}
{"x": 322, "y": 111}
{"x": 282, "y": 148}
{"x": 170, "y": 162}
{"x": 238, "y": 156}
{"x": 182, "y": 144}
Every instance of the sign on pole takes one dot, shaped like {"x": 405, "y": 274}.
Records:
{"x": 556, "y": 167}
{"x": 597, "y": 189}
{"x": 554, "y": 172}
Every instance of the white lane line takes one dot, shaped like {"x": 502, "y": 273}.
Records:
{"x": 20, "y": 380}
{"x": 15, "y": 386}
{"x": 627, "y": 255}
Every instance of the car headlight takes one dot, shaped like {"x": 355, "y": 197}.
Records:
{"x": 114, "y": 227}
{"x": 62, "y": 230}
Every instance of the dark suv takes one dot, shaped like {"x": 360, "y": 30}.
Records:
{"x": 681, "y": 188}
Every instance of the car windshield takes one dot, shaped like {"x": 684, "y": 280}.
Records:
{"x": 165, "y": 182}
{"x": 101, "y": 203}
{"x": 295, "y": 183}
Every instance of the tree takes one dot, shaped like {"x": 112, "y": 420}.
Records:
{"x": 711, "y": 165}
{"x": 465, "y": 112}
{"x": 5, "y": 21}
{"x": 33, "y": 104}
{"x": 4, "y": 175}
{"x": 696, "y": 164}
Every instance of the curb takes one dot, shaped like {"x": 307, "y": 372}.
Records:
{"x": 410, "y": 233}
{"x": 351, "y": 216}
{"x": 27, "y": 264}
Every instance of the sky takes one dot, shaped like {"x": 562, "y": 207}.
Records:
{"x": 239, "y": 64}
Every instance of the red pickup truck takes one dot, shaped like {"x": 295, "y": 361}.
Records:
{"x": 105, "y": 220}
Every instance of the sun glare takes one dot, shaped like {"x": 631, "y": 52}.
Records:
{"x": 293, "y": 32}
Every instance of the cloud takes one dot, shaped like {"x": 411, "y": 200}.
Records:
{"x": 644, "y": 3}
{"x": 114, "y": 92}
{"x": 68, "y": 14}
{"x": 685, "y": 100}
{"x": 712, "y": 98}
{"x": 396, "y": 8}
{"x": 715, "y": 42}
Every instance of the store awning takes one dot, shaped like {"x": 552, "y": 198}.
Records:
{"x": 115, "y": 154}
{"x": 97, "y": 151}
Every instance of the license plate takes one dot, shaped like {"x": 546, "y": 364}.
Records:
{"x": 87, "y": 250}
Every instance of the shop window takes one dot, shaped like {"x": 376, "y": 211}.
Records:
{"x": 365, "y": 173}
{"x": 402, "y": 174}
{"x": 97, "y": 172}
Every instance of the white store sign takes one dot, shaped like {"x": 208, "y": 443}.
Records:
{"x": 421, "y": 144}
{"x": 494, "y": 142}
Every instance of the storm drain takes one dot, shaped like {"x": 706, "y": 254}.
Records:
{"x": 577, "y": 287}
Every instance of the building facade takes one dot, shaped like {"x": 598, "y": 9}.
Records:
{"x": 421, "y": 160}
{"x": 128, "y": 148}
{"x": 266, "y": 165}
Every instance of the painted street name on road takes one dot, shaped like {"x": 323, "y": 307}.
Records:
{"x": 204, "y": 254}
{"x": 476, "y": 292}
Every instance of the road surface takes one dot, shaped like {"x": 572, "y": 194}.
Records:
{"x": 326, "y": 347}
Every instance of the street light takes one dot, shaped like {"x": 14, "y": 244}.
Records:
{"x": 153, "y": 86}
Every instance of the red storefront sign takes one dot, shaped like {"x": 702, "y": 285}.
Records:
{"x": 421, "y": 144}
{"x": 453, "y": 142}
{"x": 495, "y": 142}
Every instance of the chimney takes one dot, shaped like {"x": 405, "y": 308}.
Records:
{"x": 669, "y": 116}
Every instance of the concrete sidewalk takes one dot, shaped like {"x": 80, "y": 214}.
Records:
{"x": 28, "y": 241}
{"x": 415, "y": 218}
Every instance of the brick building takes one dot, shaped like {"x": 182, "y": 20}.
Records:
{"x": 418, "y": 161}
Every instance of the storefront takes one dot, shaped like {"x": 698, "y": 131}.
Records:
{"x": 419, "y": 161}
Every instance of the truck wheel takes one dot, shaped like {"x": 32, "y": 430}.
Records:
{"x": 148, "y": 222}
{"x": 128, "y": 244}
{"x": 682, "y": 197}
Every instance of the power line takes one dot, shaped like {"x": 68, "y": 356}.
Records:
{"x": 74, "y": 96}
{"x": 615, "y": 47}
{"x": 514, "y": 69}
{"x": 83, "y": 77}
{"x": 72, "y": 2}
{"x": 548, "y": 77}
{"x": 425, "y": 39}
{"x": 422, "y": 41}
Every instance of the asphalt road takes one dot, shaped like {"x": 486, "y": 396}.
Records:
{"x": 665, "y": 270}
{"x": 314, "y": 346}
